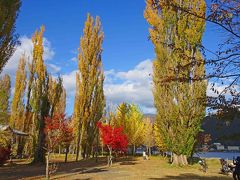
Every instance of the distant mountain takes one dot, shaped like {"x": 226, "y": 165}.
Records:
{"x": 224, "y": 132}
{"x": 152, "y": 117}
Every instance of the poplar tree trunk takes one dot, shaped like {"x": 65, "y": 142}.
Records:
{"x": 110, "y": 156}
{"x": 85, "y": 151}
{"x": 21, "y": 141}
{"x": 97, "y": 147}
{"x": 20, "y": 147}
{"x": 179, "y": 160}
{"x": 185, "y": 160}
{"x": 149, "y": 153}
{"x": 39, "y": 154}
{"x": 134, "y": 149}
{"x": 102, "y": 150}
{"x": 66, "y": 153}
{"x": 79, "y": 142}
{"x": 47, "y": 165}
{"x": 78, "y": 146}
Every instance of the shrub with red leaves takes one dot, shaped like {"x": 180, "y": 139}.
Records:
{"x": 203, "y": 138}
{"x": 4, "y": 154}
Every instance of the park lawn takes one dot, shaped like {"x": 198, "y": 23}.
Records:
{"x": 124, "y": 168}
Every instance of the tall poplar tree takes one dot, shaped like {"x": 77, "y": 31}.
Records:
{"x": 29, "y": 110}
{"x": 96, "y": 113}
{"x": 89, "y": 95}
{"x": 45, "y": 93}
{"x": 178, "y": 95}
{"x": 5, "y": 92}
{"x": 8, "y": 39}
{"x": 17, "y": 107}
{"x": 76, "y": 118}
{"x": 17, "y": 119}
{"x": 39, "y": 99}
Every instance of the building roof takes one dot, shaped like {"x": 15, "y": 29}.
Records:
{"x": 14, "y": 131}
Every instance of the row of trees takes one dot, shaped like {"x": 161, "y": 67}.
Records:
{"x": 178, "y": 75}
{"x": 89, "y": 99}
{"x": 36, "y": 95}
{"x": 138, "y": 129}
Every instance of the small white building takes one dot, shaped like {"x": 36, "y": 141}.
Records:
{"x": 220, "y": 147}
{"x": 7, "y": 128}
{"x": 233, "y": 148}
{"x": 217, "y": 144}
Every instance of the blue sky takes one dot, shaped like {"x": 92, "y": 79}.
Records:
{"x": 127, "y": 51}
{"x": 125, "y": 29}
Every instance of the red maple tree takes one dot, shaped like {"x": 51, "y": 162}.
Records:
{"x": 4, "y": 154}
{"x": 113, "y": 138}
{"x": 58, "y": 132}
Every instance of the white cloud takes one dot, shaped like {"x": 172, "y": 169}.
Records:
{"x": 214, "y": 91}
{"x": 53, "y": 68}
{"x": 69, "y": 82}
{"x": 74, "y": 59}
{"x": 26, "y": 48}
{"x": 48, "y": 50}
{"x": 141, "y": 72}
{"x": 133, "y": 86}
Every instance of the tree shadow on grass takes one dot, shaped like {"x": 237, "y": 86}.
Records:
{"x": 191, "y": 176}
{"x": 95, "y": 170}
{"x": 128, "y": 163}
{"x": 85, "y": 171}
{"x": 83, "y": 166}
{"x": 38, "y": 170}
{"x": 77, "y": 171}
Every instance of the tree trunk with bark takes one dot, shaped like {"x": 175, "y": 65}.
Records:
{"x": 20, "y": 147}
{"x": 39, "y": 154}
{"x": 66, "y": 153}
{"x": 110, "y": 156}
{"x": 47, "y": 165}
{"x": 79, "y": 142}
{"x": 133, "y": 149}
{"x": 179, "y": 160}
{"x": 97, "y": 147}
{"x": 149, "y": 151}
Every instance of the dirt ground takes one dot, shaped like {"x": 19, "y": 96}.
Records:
{"x": 127, "y": 168}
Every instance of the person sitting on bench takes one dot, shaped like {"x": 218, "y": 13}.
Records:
{"x": 236, "y": 172}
